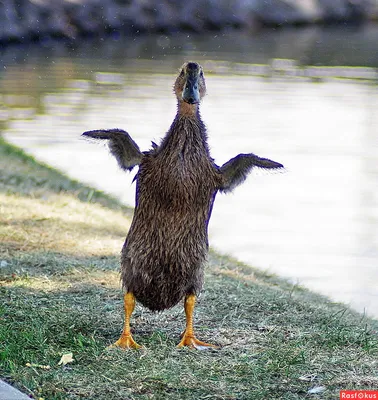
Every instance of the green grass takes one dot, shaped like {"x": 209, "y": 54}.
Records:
{"x": 60, "y": 293}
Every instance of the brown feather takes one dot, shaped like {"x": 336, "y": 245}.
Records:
{"x": 165, "y": 251}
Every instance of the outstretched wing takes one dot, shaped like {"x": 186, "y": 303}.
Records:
{"x": 123, "y": 148}
{"x": 235, "y": 171}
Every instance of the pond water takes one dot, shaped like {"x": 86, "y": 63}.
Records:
{"x": 316, "y": 224}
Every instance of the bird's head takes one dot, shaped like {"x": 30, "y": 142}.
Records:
{"x": 190, "y": 85}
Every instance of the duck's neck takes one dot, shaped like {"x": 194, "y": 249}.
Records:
{"x": 187, "y": 130}
{"x": 188, "y": 110}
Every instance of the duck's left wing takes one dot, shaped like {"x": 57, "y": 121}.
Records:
{"x": 235, "y": 171}
{"x": 123, "y": 148}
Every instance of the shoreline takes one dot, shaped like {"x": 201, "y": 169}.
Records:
{"x": 42, "y": 21}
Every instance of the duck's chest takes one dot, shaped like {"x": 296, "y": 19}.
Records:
{"x": 183, "y": 177}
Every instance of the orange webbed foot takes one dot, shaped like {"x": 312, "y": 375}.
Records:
{"x": 125, "y": 342}
{"x": 192, "y": 342}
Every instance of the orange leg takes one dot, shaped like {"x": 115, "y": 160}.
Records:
{"x": 126, "y": 341}
{"x": 188, "y": 338}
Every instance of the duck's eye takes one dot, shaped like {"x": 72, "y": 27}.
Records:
{"x": 201, "y": 74}
{"x": 182, "y": 73}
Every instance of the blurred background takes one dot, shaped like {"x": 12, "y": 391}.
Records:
{"x": 294, "y": 81}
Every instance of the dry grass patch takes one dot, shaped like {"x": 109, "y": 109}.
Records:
{"x": 61, "y": 223}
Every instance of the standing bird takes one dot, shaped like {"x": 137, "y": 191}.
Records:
{"x": 163, "y": 258}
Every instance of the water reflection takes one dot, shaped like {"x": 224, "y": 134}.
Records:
{"x": 316, "y": 224}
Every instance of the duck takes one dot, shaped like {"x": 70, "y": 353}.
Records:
{"x": 166, "y": 248}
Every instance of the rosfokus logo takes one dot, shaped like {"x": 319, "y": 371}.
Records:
{"x": 359, "y": 394}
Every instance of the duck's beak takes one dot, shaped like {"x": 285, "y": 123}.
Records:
{"x": 191, "y": 90}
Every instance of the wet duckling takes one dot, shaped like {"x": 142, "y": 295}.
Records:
{"x": 163, "y": 258}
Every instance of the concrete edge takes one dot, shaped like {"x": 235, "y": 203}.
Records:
{"x": 8, "y": 392}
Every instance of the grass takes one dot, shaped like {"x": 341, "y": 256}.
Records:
{"x": 60, "y": 293}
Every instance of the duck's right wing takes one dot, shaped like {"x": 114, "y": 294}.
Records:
{"x": 235, "y": 171}
{"x": 123, "y": 148}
